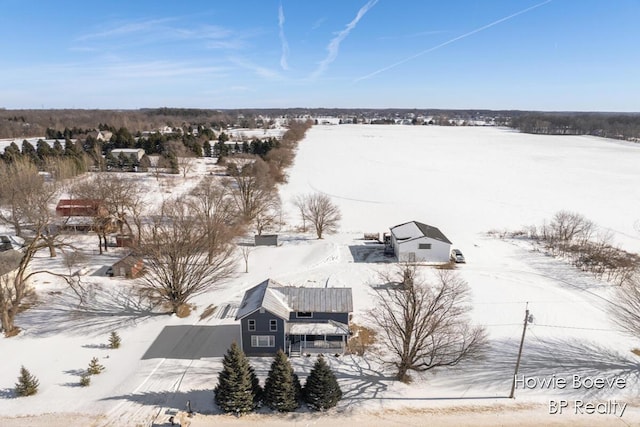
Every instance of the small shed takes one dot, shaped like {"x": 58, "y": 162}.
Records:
{"x": 417, "y": 242}
{"x": 128, "y": 267}
{"x": 266, "y": 240}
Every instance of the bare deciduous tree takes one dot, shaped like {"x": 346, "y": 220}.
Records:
{"x": 423, "y": 326}
{"x": 320, "y": 211}
{"x": 245, "y": 250}
{"x": 119, "y": 198}
{"x": 176, "y": 252}
{"x": 29, "y": 212}
{"x": 625, "y": 311}
{"x": 568, "y": 228}
{"x": 299, "y": 203}
{"x": 214, "y": 207}
{"x": 254, "y": 193}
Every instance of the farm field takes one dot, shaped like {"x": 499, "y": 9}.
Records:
{"x": 466, "y": 181}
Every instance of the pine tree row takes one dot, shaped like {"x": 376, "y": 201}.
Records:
{"x": 239, "y": 391}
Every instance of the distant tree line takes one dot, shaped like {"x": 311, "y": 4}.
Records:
{"x": 86, "y": 150}
{"x": 618, "y": 126}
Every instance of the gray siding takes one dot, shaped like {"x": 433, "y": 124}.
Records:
{"x": 320, "y": 317}
{"x": 262, "y": 328}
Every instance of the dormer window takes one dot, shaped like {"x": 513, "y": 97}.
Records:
{"x": 304, "y": 315}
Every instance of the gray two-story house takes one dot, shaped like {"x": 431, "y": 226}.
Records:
{"x": 294, "y": 319}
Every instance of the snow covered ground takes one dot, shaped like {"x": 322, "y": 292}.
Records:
{"x": 465, "y": 181}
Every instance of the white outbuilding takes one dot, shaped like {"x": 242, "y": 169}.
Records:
{"x": 417, "y": 242}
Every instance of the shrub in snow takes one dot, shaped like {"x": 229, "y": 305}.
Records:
{"x": 85, "y": 379}
{"x": 114, "y": 340}
{"x": 235, "y": 391}
{"x": 27, "y": 384}
{"x": 280, "y": 390}
{"x": 321, "y": 391}
{"x": 94, "y": 367}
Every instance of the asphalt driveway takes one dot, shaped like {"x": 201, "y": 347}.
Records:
{"x": 193, "y": 342}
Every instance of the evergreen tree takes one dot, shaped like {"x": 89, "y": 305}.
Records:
{"x": 279, "y": 388}
{"x": 85, "y": 379}
{"x": 321, "y": 391}
{"x": 43, "y": 149}
{"x": 27, "y": 384}
{"x": 95, "y": 367}
{"x": 114, "y": 340}
{"x": 234, "y": 392}
{"x": 206, "y": 148}
{"x": 258, "y": 393}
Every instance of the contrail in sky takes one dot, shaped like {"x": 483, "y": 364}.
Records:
{"x": 334, "y": 45}
{"x": 283, "y": 40}
{"x": 470, "y": 33}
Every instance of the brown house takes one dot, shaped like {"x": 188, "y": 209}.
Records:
{"x": 129, "y": 267}
{"x": 79, "y": 207}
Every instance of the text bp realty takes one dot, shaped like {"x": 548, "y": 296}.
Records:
{"x": 554, "y": 382}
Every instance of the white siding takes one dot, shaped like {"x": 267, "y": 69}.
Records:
{"x": 439, "y": 252}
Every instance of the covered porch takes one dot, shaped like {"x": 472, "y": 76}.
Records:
{"x": 316, "y": 337}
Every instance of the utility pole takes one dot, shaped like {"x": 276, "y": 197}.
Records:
{"x": 527, "y": 319}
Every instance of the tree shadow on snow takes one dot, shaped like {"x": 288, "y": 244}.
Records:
{"x": 202, "y": 401}
{"x": 543, "y": 358}
{"x": 370, "y": 253}
{"x": 104, "y": 310}
{"x": 359, "y": 380}
{"x": 7, "y": 393}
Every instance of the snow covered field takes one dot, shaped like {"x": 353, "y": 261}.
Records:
{"x": 465, "y": 181}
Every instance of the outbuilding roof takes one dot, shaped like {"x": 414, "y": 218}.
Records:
{"x": 414, "y": 230}
{"x": 282, "y": 300}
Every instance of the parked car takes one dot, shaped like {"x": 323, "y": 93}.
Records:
{"x": 109, "y": 272}
{"x": 457, "y": 257}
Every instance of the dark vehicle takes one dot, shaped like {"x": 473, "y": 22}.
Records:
{"x": 457, "y": 257}
{"x": 109, "y": 272}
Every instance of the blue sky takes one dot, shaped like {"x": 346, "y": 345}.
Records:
{"x": 578, "y": 55}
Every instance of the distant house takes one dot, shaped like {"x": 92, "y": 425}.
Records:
{"x": 129, "y": 267}
{"x": 79, "y": 214}
{"x": 101, "y": 135}
{"x": 417, "y": 242}
{"x": 134, "y": 154}
{"x": 78, "y": 207}
{"x": 297, "y": 320}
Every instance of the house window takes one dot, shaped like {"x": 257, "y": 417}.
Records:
{"x": 263, "y": 341}
{"x": 273, "y": 325}
{"x": 251, "y": 324}
{"x": 304, "y": 314}
{"x": 424, "y": 245}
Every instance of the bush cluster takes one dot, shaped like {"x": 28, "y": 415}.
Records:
{"x": 238, "y": 390}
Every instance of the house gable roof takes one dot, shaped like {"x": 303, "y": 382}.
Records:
{"x": 414, "y": 230}
{"x": 263, "y": 296}
{"x": 282, "y": 300}
{"x": 319, "y": 300}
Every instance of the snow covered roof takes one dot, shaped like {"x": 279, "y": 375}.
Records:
{"x": 264, "y": 296}
{"x": 414, "y": 230}
{"x": 282, "y": 300}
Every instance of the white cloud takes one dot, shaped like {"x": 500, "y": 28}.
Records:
{"x": 283, "y": 40}
{"x": 334, "y": 44}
